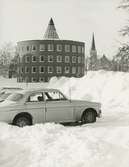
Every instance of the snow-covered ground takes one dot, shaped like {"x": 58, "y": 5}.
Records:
{"x": 102, "y": 144}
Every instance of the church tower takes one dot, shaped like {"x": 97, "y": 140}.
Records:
{"x": 93, "y": 55}
{"x": 93, "y": 51}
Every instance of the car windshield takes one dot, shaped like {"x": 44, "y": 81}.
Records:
{"x": 15, "y": 97}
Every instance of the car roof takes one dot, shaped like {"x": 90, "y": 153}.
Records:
{"x": 10, "y": 88}
{"x": 27, "y": 90}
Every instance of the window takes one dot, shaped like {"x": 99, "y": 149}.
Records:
{"x": 59, "y": 47}
{"x": 59, "y": 69}
{"x": 67, "y": 70}
{"x": 26, "y": 69}
{"x": 79, "y": 70}
{"x": 50, "y": 47}
{"x": 50, "y": 58}
{"x": 79, "y": 49}
{"x": 33, "y": 48}
{"x": 15, "y": 97}
{"x": 34, "y": 79}
{"x": 73, "y": 48}
{"x": 83, "y": 50}
{"x": 27, "y": 48}
{"x": 67, "y": 48}
{"x": 27, "y": 59}
{"x": 73, "y": 70}
{"x": 54, "y": 96}
{"x": 59, "y": 59}
{"x": 33, "y": 58}
{"x": 79, "y": 59}
{"x": 42, "y": 47}
{"x": 22, "y": 69}
{"x": 41, "y": 69}
{"x": 73, "y": 59}
{"x": 36, "y": 97}
{"x": 42, "y": 58}
{"x": 50, "y": 69}
{"x": 67, "y": 59}
{"x": 41, "y": 79}
{"x": 33, "y": 69}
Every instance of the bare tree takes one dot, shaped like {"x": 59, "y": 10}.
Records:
{"x": 7, "y": 52}
{"x": 125, "y": 5}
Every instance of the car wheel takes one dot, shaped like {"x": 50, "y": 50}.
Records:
{"x": 22, "y": 121}
{"x": 88, "y": 117}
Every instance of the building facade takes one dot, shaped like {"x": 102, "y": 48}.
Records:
{"x": 39, "y": 60}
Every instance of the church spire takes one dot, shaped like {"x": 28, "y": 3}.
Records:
{"x": 51, "y": 31}
{"x": 93, "y": 51}
{"x": 93, "y": 43}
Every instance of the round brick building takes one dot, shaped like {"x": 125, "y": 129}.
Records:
{"x": 39, "y": 60}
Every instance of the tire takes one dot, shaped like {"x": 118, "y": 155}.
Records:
{"x": 22, "y": 121}
{"x": 88, "y": 117}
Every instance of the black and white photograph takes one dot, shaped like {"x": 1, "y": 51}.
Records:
{"x": 64, "y": 83}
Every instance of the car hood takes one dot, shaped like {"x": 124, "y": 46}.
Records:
{"x": 7, "y": 103}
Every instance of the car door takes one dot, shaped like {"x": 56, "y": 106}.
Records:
{"x": 35, "y": 105}
{"x": 58, "y": 108}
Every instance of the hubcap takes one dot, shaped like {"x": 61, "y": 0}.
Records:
{"x": 21, "y": 122}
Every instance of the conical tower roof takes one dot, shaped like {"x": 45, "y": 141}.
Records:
{"x": 51, "y": 31}
{"x": 93, "y": 43}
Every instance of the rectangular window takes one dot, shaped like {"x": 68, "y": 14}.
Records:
{"x": 34, "y": 69}
{"x": 50, "y": 58}
{"x": 79, "y": 70}
{"x": 67, "y": 70}
{"x": 79, "y": 59}
{"x": 27, "y": 59}
{"x": 33, "y": 79}
{"x": 67, "y": 48}
{"x": 67, "y": 59}
{"x": 41, "y": 69}
{"x": 41, "y": 79}
{"x": 79, "y": 49}
{"x": 59, "y": 58}
{"x": 73, "y": 59}
{"x": 58, "y": 69}
{"x": 50, "y": 47}
{"x": 33, "y": 58}
{"x": 50, "y": 69}
{"x": 27, "y": 48}
{"x": 73, "y": 48}
{"x": 22, "y": 69}
{"x": 73, "y": 70}
{"x": 59, "y": 47}
{"x": 26, "y": 69}
{"x": 42, "y": 47}
{"x": 33, "y": 48}
{"x": 83, "y": 50}
{"x": 42, "y": 58}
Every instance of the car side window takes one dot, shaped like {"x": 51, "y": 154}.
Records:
{"x": 54, "y": 96}
{"x": 36, "y": 97}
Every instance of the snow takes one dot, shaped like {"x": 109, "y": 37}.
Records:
{"x": 102, "y": 144}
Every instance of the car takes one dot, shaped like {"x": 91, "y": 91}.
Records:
{"x": 31, "y": 106}
{"x": 6, "y": 91}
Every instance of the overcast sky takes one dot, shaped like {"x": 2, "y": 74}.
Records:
{"x": 74, "y": 20}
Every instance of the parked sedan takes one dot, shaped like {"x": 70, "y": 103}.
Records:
{"x": 32, "y": 106}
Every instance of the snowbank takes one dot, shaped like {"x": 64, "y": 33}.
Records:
{"x": 102, "y": 144}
